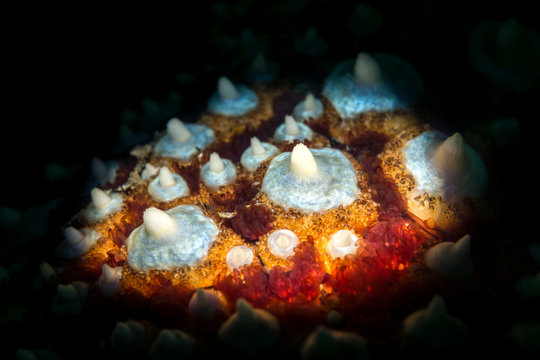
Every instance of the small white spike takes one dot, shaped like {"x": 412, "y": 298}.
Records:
{"x": 291, "y": 127}
{"x": 178, "y": 131}
{"x": 158, "y": 223}
{"x": 166, "y": 178}
{"x": 450, "y": 156}
{"x": 309, "y": 103}
{"x": 216, "y": 164}
{"x": 73, "y": 236}
{"x": 226, "y": 89}
{"x": 302, "y": 161}
{"x": 256, "y": 147}
{"x": 108, "y": 272}
{"x": 109, "y": 281}
{"x": 366, "y": 69}
{"x": 100, "y": 199}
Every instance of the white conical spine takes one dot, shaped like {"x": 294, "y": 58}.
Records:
{"x": 100, "y": 199}
{"x": 309, "y": 103}
{"x": 256, "y": 147}
{"x": 366, "y": 69}
{"x": 451, "y": 157}
{"x": 302, "y": 161}
{"x": 215, "y": 163}
{"x": 291, "y": 127}
{"x": 158, "y": 223}
{"x": 177, "y": 131}
{"x": 166, "y": 178}
{"x": 73, "y": 236}
{"x": 226, "y": 89}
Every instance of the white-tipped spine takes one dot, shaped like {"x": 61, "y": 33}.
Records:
{"x": 166, "y": 178}
{"x": 366, "y": 69}
{"x": 310, "y": 103}
{"x": 100, "y": 199}
{"x": 291, "y": 127}
{"x": 226, "y": 89}
{"x": 109, "y": 281}
{"x": 158, "y": 223}
{"x": 450, "y": 156}
{"x": 73, "y": 236}
{"x": 257, "y": 148}
{"x": 177, "y": 131}
{"x": 302, "y": 162}
{"x": 215, "y": 163}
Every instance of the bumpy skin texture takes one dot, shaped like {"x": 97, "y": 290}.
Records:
{"x": 94, "y": 215}
{"x": 428, "y": 178}
{"x": 334, "y": 185}
{"x": 305, "y": 133}
{"x": 251, "y": 162}
{"x": 201, "y": 137}
{"x": 159, "y": 193}
{"x": 399, "y": 88}
{"x": 303, "y": 115}
{"x": 196, "y": 232}
{"x": 245, "y": 102}
{"x": 213, "y": 180}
